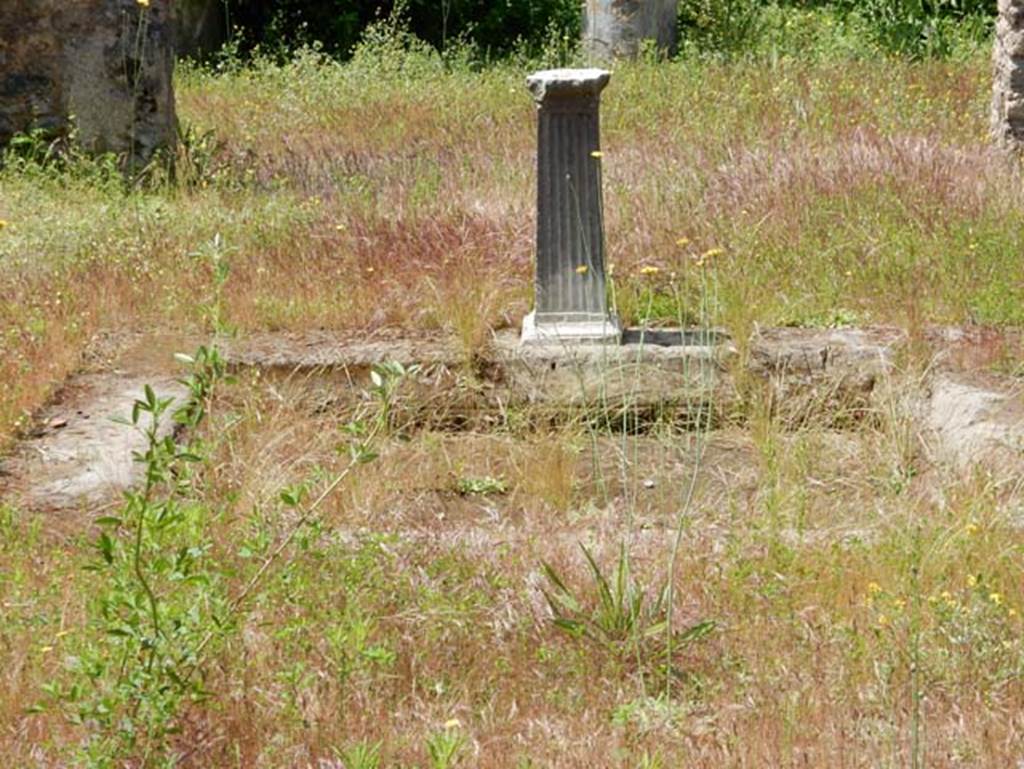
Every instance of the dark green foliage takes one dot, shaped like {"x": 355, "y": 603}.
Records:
{"x": 494, "y": 28}
{"x": 910, "y": 9}
{"x": 723, "y": 26}
{"x": 907, "y": 27}
{"x": 920, "y": 27}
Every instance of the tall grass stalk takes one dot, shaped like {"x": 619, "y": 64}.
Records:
{"x": 700, "y": 435}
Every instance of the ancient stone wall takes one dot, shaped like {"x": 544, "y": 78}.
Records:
{"x": 1008, "y": 88}
{"x": 102, "y": 65}
{"x": 616, "y": 28}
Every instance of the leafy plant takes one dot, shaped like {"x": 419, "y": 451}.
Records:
{"x": 362, "y": 755}
{"x": 620, "y": 611}
{"x": 39, "y": 153}
{"x": 921, "y": 27}
{"x": 216, "y": 254}
{"x": 161, "y": 601}
{"x": 196, "y": 158}
{"x": 158, "y": 591}
{"x": 482, "y": 485}
{"x": 622, "y": 608}
{"x": 724, "y": 26}
{"x": 385, "y": 379}
{"x": 444, "y": 748}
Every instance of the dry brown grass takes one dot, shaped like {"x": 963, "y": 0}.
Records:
{"x": 809, "y": 665}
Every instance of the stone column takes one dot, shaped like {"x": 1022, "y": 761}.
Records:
{"x": 107, "y": 63}
{"x": 1008, "y": 87}
{"x": 570, "y": 286}
{"x": 615, "y": 28}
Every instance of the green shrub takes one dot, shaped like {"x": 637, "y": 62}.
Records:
{"x": 916, "y": 28}
{"x": 922, "y": 27}
{"x": 723, "y": 26}
{"x": 495, "y": 29}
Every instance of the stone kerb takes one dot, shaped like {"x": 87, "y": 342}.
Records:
{"x": 570, "y": 300}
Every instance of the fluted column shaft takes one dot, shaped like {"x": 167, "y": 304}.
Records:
{"x": 570, "y": 284}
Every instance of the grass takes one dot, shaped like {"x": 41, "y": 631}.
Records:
{"x": 358, "y": 197}
{"x": 866, "y": 600}
{"x": 414, "y": 604}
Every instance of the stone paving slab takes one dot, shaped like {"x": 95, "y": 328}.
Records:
{"x": 976, "y": 418}
{"x": 80, "y": 456}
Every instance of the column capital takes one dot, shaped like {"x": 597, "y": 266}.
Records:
{"x": 566, "y": 83}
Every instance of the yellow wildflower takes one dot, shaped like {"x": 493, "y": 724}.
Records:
{"x": 452, "y": 723}
{"x": 899, "y": 603}
{"x": 582, "y": 269}
{"x": 971, "y": 528}
{"x": 3, "y": 223}
{"x": 683, "y": 242}
{"x": 597, "y": 154}
{"x": 874, "y": 588}
{"x": 649, "y": 269}
{"x": 883, "y": 620}
{"x": 143, "y": 3}
{"x": 711, "y": 253}
{"x": 971, "y": 580}
{"x": 1011, "y": 612}
{"x": 995, "y": 598}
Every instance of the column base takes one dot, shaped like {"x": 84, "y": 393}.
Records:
{"x": 593, "y": 329}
